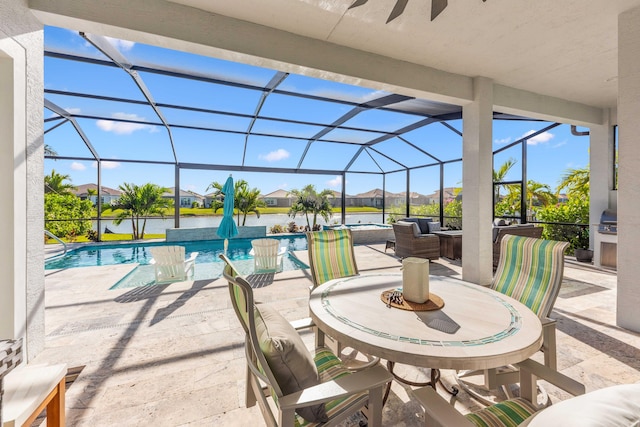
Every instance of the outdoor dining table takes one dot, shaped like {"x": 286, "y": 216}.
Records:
{"x": 475, "y": 328}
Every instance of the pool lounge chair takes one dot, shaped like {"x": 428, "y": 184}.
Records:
{"x": 267, "y": 255}
{"x": 170, "y": 263}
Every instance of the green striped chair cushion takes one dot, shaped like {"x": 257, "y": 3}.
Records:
{"x": 329, "y": 368}
{"x": 509, "y": 413}
{"x": 331, "y": 255}
{"x": 530, "y": 270}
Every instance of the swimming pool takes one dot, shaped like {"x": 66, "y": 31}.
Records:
{"x": 208, "y": 263}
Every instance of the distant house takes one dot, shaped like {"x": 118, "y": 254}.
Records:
{"x": 187, "y": 198}
{"x": 277, "y": 199}
{"x": 373, "y": 198}
{"x": 449, "y": 195}
{"x": 108, "y": 196}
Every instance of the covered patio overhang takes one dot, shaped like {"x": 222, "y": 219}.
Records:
{"x": 344, "y": 46}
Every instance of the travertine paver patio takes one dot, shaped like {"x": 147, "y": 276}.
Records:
{"x": 171, "y": 355}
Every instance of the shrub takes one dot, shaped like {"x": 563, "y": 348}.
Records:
{"x": 275, "y": 229}
{"x": 292, "y": 227}
{"x": 575, "y": 211}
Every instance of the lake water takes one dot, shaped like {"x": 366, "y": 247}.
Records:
{"x": 159, "y": 226}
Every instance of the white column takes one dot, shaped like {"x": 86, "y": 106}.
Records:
{"x": 477, "y": 189}
{"x": 629, "y": 165}
{"x": 601, "y": 147}
{"x": 21, "y": 177}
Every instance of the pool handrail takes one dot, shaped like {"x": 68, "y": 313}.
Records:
{"x": 64, "y": 245}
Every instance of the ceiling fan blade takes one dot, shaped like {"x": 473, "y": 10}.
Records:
{"x": 397, "y": 10}
{"x": 437, "y": 6}
{"x": 357, "y": 3}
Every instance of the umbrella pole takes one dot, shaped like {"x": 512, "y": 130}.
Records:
{"x": 226, "y": 245}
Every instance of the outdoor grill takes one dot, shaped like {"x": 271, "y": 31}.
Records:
{"x": 608, "y": 222}
{"x": 606, "y": 240}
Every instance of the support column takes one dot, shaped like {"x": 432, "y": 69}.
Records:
{"x": 21, "y": 177}
{"x": 601, "y": 146}
{"x": 629, "y": 165}
{"x": 477, "y": 188}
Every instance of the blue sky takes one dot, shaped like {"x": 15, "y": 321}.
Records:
{"x": 549, "y": 154}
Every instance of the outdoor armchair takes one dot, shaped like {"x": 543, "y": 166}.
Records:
{"x": 410, "y": 242}
{"x": 331, "y": 256}
{"x": 306, "y": 389}
{"x": 524, "y": 409}
{"x": 530, "y": 270}
{"x": 170, "y": 263}
{"x": 267, "y": 255}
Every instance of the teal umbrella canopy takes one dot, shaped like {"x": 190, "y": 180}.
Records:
{"x": 227, "y": 228}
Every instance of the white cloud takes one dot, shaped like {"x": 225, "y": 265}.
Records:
{"x": 538, "y": 139}
{"x": 336, "y": 182}
{"x": 503, "y": 140}
{"x": 275, "y": 156}
{"x": 77, "y": 166}
{"x": 122, "y": 45}
{"x": 72, "y": 110}
{"x": 123, "y": 128}
{"x": 107, "y": 165}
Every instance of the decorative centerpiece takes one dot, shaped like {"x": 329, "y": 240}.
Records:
{"x": 415, "y": 279}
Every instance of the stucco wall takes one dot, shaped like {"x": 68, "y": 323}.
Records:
{"x": 21, "y": 172}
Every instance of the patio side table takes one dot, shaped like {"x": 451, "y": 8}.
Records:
{"x": 450, "y": 243}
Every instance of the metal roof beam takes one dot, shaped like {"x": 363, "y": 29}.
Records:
{"x": 64, "y": 113}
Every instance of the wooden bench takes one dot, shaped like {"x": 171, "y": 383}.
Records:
{"x": 29, "y": 389}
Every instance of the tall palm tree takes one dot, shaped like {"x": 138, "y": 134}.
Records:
{"x": 55, "y": 183}
{"x": 500, "y": 174}
{"x": 138, "y": 202}
{"x": 576, "y": 182}
{"x": 309, "y": 201}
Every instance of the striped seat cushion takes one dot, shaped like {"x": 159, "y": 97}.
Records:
{"x": 331, "y": 255}
{"x": 329, "y": 368}
{"x": 504, "y": 414}
{"x": 530, "y": 270}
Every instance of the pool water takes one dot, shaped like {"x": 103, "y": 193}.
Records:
{"x": 208, "y": 263}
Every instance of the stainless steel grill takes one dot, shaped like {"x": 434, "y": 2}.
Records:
{"x": 608, "y": 222}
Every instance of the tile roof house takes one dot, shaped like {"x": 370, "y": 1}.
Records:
{"x": 109, "y": 196}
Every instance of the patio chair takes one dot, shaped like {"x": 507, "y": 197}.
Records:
{"x": 331, "y": 256}
{"x": 530, "y": 270}
{"x": 170, "y": 263}
{"x": 267, "y": 255}
{"x": 609, "y": 406}
{"x": 306, "y": 389}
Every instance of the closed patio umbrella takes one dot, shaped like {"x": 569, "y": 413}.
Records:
{"x": 227, "y": 228}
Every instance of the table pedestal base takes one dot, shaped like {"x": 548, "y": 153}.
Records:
{"x": 435, "y": 379}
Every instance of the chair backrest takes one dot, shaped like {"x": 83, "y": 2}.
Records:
{"x": 530, "y": 270}
{"x": 331, "y": 255}
{"x": 169, "y": 263}
{"x": 244, "y": 305}
{"x": 265, "y": 254}
{"x": 168, "y": 255}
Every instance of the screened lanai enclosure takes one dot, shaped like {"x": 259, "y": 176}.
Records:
{"x": 181, "y": 114}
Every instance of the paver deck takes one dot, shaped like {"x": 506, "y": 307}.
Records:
{"x": 171, "y": 355}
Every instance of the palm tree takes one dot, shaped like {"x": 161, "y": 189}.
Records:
{"x": 576, "y": 181}
{"x": 48, "y": 151}
{"x": 245, "y": 200}
{"x": 138, "y": 202}
{"x": 308, "y": 200}
{"x": 538, "y": 194}
{"x": 54, "y": 183}
{"x": 500, "y": 174}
